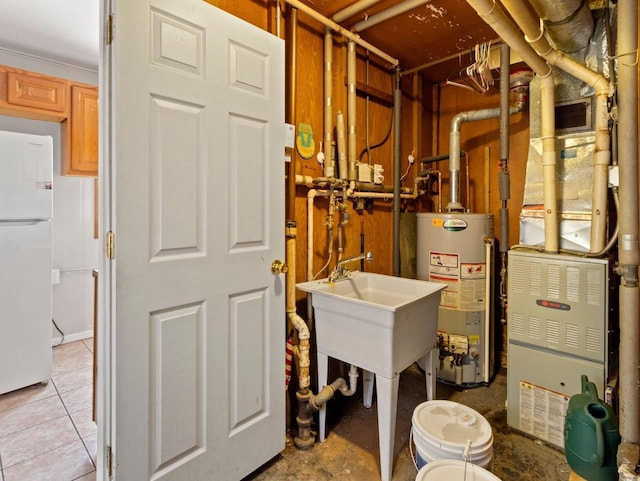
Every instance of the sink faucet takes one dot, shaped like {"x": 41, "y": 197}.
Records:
{"x": 341, "y": 271}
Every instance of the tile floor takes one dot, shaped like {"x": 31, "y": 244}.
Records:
{"x": 46, "y": 431}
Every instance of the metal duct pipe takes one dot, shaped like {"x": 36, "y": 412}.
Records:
{"x": 390, "y": 12}
{"x": 568, "y": 23}
{"x": 397, "y": 141}
{"x": 353, "y": 9}
{"x": 493, "y": 15}
{"x": 454, "y": 147}
{"x": 342, "y": 31}
{"x": 329, "y": 160}
{"x": 530, "y": 25}
{"x": 629, "y": 256}
{"x": 351, "y": 109}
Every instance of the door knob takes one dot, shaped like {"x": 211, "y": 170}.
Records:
{"x": 278, "y": 267}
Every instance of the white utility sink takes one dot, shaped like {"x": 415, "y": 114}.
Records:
{"x": 381, "y": 324}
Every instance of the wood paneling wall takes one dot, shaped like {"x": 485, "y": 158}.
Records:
{"x": 426, "y": 117}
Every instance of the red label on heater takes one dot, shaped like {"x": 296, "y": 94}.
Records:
{"x": 553, "y": 305}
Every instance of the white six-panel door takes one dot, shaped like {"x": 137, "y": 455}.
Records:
{"x": 196, "y": 132}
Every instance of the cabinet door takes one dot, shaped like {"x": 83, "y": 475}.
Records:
{"x": 82, "y": 133}
{"x": 31, "y": 95}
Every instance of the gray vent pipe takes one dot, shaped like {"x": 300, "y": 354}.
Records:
{"x": 454, "y": 144}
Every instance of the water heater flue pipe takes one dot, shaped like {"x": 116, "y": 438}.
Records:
{"x": 454, "y": 145}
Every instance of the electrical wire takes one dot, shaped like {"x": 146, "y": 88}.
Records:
{"x": 58, "y": 329}
{"x": 369, "y": 148}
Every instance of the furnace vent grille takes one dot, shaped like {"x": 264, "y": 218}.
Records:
{"x": 594, "y": 340}
{"x": 535, "y": 327}
{"x": 559, "y": 303}
{"x": 517, "y": 324}
{"x": 572, "y": 335}
{"x": 553, "y": 281}
{"x": 553, "y": 332}
{"x": 573, "y": 284}
{"x": 595, "y": 285}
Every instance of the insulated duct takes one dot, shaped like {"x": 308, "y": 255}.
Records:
{"x": 568, "y": 23}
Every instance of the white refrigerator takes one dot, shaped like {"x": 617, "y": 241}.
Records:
{"x": 26, "y": 172}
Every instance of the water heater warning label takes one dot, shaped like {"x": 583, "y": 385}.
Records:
{"x": 466, "y": 282}
{"x": 445, "y": 268}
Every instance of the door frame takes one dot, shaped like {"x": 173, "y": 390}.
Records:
{"x": 105, "y": 326}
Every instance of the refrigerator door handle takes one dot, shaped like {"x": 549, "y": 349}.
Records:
{"x": 21, "y": 222}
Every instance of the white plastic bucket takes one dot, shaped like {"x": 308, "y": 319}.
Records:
{"x": 449, "y": 430}
{"x": 454, "y": 470}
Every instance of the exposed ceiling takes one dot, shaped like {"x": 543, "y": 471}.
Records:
{"x": 67, "y": 30}
{"x": 424, "y": 34}
{"x": 61, "y": 30}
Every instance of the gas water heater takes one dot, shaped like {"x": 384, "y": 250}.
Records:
{"x": 457, "y": 249}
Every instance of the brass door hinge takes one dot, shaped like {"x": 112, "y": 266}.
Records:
{"x": 110, "y": 28}
{"x": 109, "y": 461}
{"x": 111, "y": 245}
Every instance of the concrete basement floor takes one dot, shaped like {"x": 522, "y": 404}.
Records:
{"x": 350, "y": 451}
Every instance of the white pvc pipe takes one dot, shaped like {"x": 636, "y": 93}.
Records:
{"x": 389, "y": 13}
{"x": 534, "y": 34}
{"x": 329, "y": 162}
{"x": 488, "y": 266}
{"x": 493, "y": 15}
{"x": 342, "y": 31}
{"x": 353, "y": 9}
{"x": 342, "y": 146}
{"x": 550, "y": 201}
{"x": 351, "y": 109}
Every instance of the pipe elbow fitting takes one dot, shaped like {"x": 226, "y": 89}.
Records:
{"x": 299, "y": 325}
{"x": 320, "y": 399}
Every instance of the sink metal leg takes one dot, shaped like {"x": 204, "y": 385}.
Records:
{"x": 367, "y": 388}
{"x": 323, "y": 372}
{"x": 387, "y": 397}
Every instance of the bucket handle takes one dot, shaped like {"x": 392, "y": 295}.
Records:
{"x": 413, "y": 456}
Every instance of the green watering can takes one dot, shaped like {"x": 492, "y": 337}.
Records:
{"x": 591, "y": 435}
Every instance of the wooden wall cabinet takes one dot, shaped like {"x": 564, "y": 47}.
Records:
{"x": 80, "y": 131}
{"x": 32, "y": 95}
{"x": 74, "y": 105}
